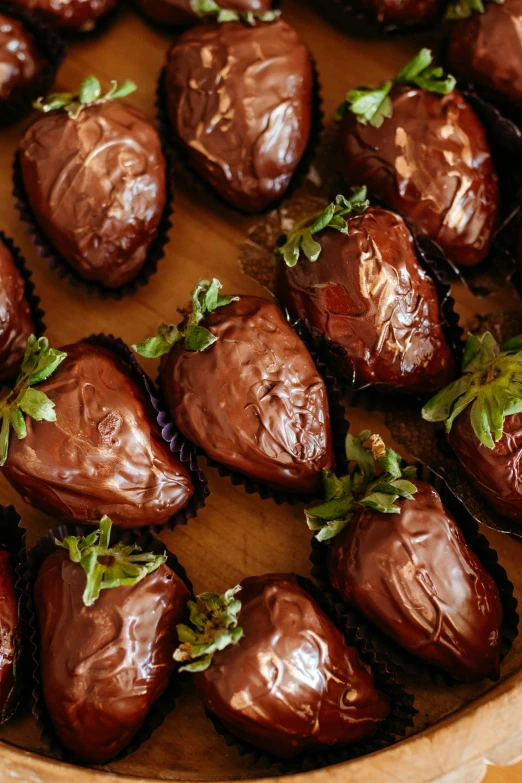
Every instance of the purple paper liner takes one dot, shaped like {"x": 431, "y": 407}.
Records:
{"x": 359, "y": 626}
{"x": 353, "y": 22}
{"x": 180, "y": 447}
{"x": 391, "y": 730}
{"x": 166, "y": 702}
{"x": 12, "y": 538}
{"x": 61, "y": 266}
{"x": 179, "y": 165}
{"x": 51, "y": 48}
{"x": 339, "y": 427}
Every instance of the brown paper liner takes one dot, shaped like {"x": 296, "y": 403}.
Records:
{"x": 180, "y": 168}
{"x": 51, "y": 48}
{"x": 403, "y": 662}
{"x": 391, "y": 730}
{"x": 61, "y": 266}
{"x": 345, "y": 17}
{"x": 12, "y": 538}
{"x": 166, "y": 702}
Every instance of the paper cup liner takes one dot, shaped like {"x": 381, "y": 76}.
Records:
{"x": 402, "y": 661}
{"x": 180, "y": 167}
{"x": 390, "y": 731}
{"x": 63, "y": 268}
{"x": 166, "y": 702}
{"x": 339, "y": 427}
{"x": 52, "y": 50}
{"x": 12, "y": 538}
{"x": 352, "y": 21}
{"x": 180, "y": 447}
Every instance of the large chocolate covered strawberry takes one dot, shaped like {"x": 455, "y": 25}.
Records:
{"x": 240, "y": 384}
{"x": 79, "y": 16}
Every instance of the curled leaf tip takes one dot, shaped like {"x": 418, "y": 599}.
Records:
{"x": 89, "y": 93}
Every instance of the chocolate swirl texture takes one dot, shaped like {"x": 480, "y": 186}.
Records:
{"x": 414, "y": 576}
{"x": 369, "y": 295}
{"x": 431, "y": 162}
{"x": 97, "y": 185}
{"x": 398, "y": 13}
{"x": 104, "y": 454}
{"x": 16, "y": 322}
{"x": 102, "y": 667}
{"x": 292, "y": 684}
{"x": 70, "y": 15}
{"x": 253, "y": 400}
{"x": 496, "y": 472}
{"x": 9, "y": 631}
{"x": 20, "y": 61}
{"x": 486, "y": 49}
{"x": 239, "y": 99}
{"x": 180, "y": 14}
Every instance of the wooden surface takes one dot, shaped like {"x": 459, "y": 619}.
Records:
{"x": 239, "y": 535}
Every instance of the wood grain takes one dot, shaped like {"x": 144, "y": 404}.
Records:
{"x": 239, "y": 535}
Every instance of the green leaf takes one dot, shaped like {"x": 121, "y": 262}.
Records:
{"x": 197, "y": 338}
{"x": 418, "y": 73}
{"x": 332, "y": 509}
{"x": 463, "y": 9}
{"x": 154, "y": 347}
{"x": 379, "y": 501}
{"x": 90, "y": 90}
{"x": 415, "y": 67}
{"x": 441, "y": 405}
{"x": 371, "y": 105}
{"x": 209, "y": 8}
{"x": 4, "y": 440}
{"x": 332, "y": 528}
{"x": 37, "y": 405}
{"x": 126, "y": 88}
{"x": 89, "y": 93}
{"x": 479, "y": 351}
{"x": 309, "y": 246}
{"x": 391, "y": 463}
{"x": 17, "y": 421}
{"x": 357, "y": 452}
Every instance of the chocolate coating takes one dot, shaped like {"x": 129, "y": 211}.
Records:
{"x": 371, "y": 298}
{"x": 102, "y": 667}
{"x": 431, "y": 162}
{"x": 239, "y": 99}
{"x": 414, "y": 576}
{"x": 69, "y": 15}
{"x": 497, "y": 472}
{"x": 398, "y": 13}
{"x": 20, "y": 61}
{"x": 9, "y": 633}
{"x": 487, "y": 49}
{"x": 16, "y": 322}
{"x": 180, "y": 14}
{"x": 97, "y": 185}
{"x": 104, "y": 454}
{"x": 254, "y": 400}
{"x": 292, "y": 683}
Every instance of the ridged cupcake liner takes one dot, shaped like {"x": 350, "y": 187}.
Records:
{"x": 357, "y": 626}
{"x": 52, "y": 50}
{"x": 390, "y": 731}
{"x": 12, "y": 538}
{"x": 349, "y": 20}
{"x": 180, "y": 167}
{"x": 180, "y": 447}
{"x": 339, "y": 427}
{"x": 166, "y": 702}
{"x": 61, "y": 267}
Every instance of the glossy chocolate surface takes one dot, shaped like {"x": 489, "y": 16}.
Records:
{"x": 371, "y": 298}
{"x": 245, "y": 136}
{"x": 414, "y": 576}
{"x": 102, "y": 667}
{"x": 20, "y": 61}
{"x": 431, "y": 162}
{"x": 398, "y": 13}
{"x": 487, "y": 49}
{"x": 180, "y": 14}
{"x": 9, "y": 636}
{"x": 16, "y": 323}
{"x": 97, "y": 185}
{"x": 292, "y": 683}
{"x": 74, "y": 15}
{"x": 254, "y": 400}
{"x": 104, "y": 454}
{"x": 496, "y": 473}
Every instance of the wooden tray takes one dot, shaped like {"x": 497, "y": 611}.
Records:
{"x": 460, "y": 730}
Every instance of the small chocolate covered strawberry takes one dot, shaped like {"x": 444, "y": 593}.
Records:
{"x": 482, "y": 413}
{"x": 240, "y": 384}
{"x": 419, "y": 146}
{"x": 16, "y": 320}
{"x": 352, "y": 274}
{"x": 90, "y": 444}
{"x": 276, "y": 671}
{"x": 95, "y": 178}
{"x": 10, "y": 636}
{"x": 244, "y": 135}
{"x": 77, "y": 16}
{"x": 185, "y": 13}
{"x": 107, "y": 619}
{"x": 396, "y": 554}
{"x": 396, "y": 14}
